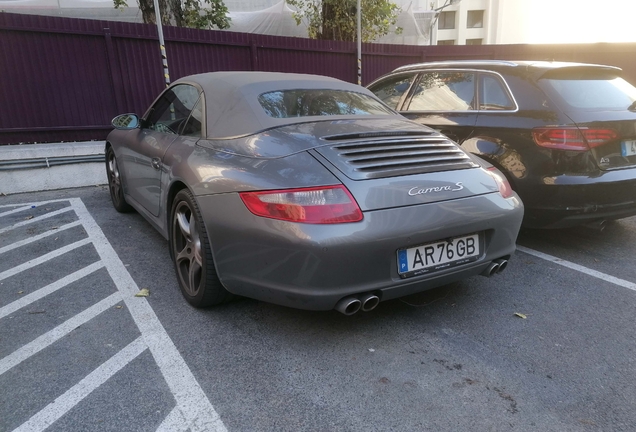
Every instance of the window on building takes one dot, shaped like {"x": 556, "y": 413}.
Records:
{"x": 475, "y": 19}
{"x": 474, "y": 41}
{"x": 446, "y": 20}
{"x": 446, "y": 42}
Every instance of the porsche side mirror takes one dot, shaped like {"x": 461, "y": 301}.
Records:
{"x": 125, "y": 122}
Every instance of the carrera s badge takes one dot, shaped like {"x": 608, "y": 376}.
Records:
{"x": 421, "y": 191}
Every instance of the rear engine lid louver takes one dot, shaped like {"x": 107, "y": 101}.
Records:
{"x": 380, "y": 155}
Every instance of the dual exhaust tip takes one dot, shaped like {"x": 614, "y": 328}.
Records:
{"x": 369, "y": 301}
{"x": 496, "y": 266}
{"x": 364, "y": 302}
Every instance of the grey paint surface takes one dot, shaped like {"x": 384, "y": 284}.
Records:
{"x": 305, "y": 265}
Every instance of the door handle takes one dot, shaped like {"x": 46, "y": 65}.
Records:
{"x": 156, "y": 163}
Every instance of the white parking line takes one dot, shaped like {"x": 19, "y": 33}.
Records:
{"x": 42, "y": 259}
{"x": 192, "y": 403}
{"x": 49, "y": 289}
{"x": 81, "y": 390}
{"x": 38, "y": 237}
{"x": 193, "y": 410}
{"x": 35, "y": 204}
{"x": 58, "y": 332}
{"x": 597, "y": 274}
{"x": 18, "y": 210}
{"x": 36, "y": 219}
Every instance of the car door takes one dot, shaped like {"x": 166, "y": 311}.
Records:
{"x": 160, "y": 127}
{"x": 444, "y": 100}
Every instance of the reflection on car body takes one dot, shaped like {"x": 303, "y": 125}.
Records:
{"x": 306, "y": 191}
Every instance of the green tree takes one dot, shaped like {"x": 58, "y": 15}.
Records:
{"x": 204, "y": 14}
{"x": 336, "y": 19}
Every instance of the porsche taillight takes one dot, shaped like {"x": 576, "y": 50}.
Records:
{"x": 572, "y": 138}
{"x": 502, "y": 182}
{"x": 318, "y": 205}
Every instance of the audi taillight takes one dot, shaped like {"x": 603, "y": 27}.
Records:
{"x": 502, "y": 182}
{"x": 572, "y": 138}
{"x": 319, "y": 205}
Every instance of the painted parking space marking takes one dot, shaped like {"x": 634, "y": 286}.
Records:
{"x": 81, "y": 390}
{"x": 36, "y": 219}
{"x": 192, "y": 411}
{"x": 42, "y": 259}
{"x": 38, "y": 237}
{"x": 49, "y": 289}
{"x": 34, "y": 204}
{"x": 191, "y": 401}
{"x": 17, "y": 210}
{"x": 588, "y": 271}
{"x": 52, "y": 336}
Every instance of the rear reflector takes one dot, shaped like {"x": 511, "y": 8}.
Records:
{"x": 502, "y": 182}
{"x": 319, "y": 205}
{"x": 572, "y": 138}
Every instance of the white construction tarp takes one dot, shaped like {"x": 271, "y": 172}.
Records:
{"x": 277, "y": 20}
{"x": 411, "y": 33}
{"x": 89, "y": 9}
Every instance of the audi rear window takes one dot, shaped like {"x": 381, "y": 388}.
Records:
{"x": 589, "y": 92}
{"x": 312, "y": 102}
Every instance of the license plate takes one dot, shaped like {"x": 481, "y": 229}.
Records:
{"x": 628, "y": 148}
{"x": 438, "y": 255}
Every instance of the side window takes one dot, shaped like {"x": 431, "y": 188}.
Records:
{"x": 193, "y": 125}
{"x": 172, "y": 109}
{"x": 391, "y": 91}
{"x": 493, "y": 95}
{"x": 444, "y": 91}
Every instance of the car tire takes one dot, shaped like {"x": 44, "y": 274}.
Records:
{"x": 192, "y": 255}
{"x": 115, "y": 185}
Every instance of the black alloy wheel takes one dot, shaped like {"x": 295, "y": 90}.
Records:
{"x": 115, "y": 183}
{"x": 192, "y": 255}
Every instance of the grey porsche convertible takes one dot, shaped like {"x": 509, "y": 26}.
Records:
{"x": 306, "y": 191}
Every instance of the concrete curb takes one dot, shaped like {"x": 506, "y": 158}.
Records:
{"x": 51, "y": 177}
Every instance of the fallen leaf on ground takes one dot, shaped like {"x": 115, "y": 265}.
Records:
{"x": 20, "y": 292}
{"x": 520, "y": 315}
{"x": 118, "y": 307}
{"x": 143, "y": 293}
{"x": 28, "y": 217}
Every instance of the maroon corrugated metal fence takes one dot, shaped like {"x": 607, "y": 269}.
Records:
{"x": 63, "y": 79}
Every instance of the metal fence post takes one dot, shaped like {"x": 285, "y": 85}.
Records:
{"x": 162, "y": 45}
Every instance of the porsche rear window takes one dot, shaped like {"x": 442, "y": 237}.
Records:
{"x": 591, "y": 93}
{"x": 305, "y": 103}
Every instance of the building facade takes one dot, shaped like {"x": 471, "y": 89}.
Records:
{"x": 463, "y": 22}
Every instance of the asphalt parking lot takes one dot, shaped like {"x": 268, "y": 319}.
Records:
{"x": 548, "y": 345}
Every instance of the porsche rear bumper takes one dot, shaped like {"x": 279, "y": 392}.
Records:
{"x": 311, "y": 267}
